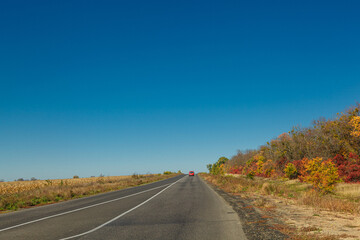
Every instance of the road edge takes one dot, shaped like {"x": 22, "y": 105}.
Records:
{"x": 255, "y": 225}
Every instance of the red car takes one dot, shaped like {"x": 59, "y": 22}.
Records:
{"x": 191, "y": 173}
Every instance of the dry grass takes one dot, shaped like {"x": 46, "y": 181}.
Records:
{"x": 307, "y": 233}
{"x": 15, "y": 195}
{"x": 328, "y": 202}
{"x": 314, "y": 236}
{"x": 22, "y": 186}
{"x": 302, "y": 194}
{"x": 348, "y": 189}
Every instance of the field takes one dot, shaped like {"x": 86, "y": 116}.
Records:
{"x": 24, "y": 194}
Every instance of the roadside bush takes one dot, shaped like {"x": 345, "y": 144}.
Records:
{"x": 322, "y": 175}
{"x": 218, "y": 168}
{"x": 259, "y": 161}
{"x": 250, "y": 167}
{"x": 235, "y": 170}
{"x": 349, "y": 167}
{"x": 290, "y": 171}
{"x": 268, "y": 169}
{"x": 250, "y": 175}
{"x": 299, "y": 167}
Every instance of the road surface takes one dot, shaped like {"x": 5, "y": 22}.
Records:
{"x": 183, "y": 207}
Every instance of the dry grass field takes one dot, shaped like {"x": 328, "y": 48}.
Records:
{"x": 351, "y": 190}
{"x": 346, "y": 196}
{"x": 23, "y": 194}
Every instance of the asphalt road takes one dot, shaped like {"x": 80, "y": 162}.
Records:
{"x": 183, "y": 207}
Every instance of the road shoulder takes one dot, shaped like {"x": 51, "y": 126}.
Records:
{"x": 256, "y": 225}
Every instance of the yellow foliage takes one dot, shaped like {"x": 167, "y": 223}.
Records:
{"x": 263, "y": 168}
{"x": 290, "y": 171}
{"x": 259, "y": 157}
{"x": 321, "y": 174}
{"x": 355, "y": 123}
{"x": 260, "y": 165}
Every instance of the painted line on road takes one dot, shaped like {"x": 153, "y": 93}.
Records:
{"x": 79, "y": 209}
{"x": 121, "y": 215}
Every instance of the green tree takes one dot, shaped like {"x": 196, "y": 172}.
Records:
{"x": 218, "y": 167}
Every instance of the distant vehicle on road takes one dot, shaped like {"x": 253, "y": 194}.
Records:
{"x": 191, "y": 173}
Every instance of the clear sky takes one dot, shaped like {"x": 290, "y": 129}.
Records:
{"x": 117, "y": 87}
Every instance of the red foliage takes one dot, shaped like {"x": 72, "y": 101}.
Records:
{"x": 349, "y": 167}
{"x": 299, "y": 165}
{"x": 235, "y": 170}
{"x": 280, "y": 165}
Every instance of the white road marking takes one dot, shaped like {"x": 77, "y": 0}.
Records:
{"x": 79, "y": 209}
{"x": 115, "y": 218}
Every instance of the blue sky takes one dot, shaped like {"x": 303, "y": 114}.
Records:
{"x": 117, "y": 87}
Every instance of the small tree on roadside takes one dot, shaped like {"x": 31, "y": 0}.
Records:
{"x": 218, "y": 167}
{"x": 322, "y": 175}
{"x": 209, "y": 167}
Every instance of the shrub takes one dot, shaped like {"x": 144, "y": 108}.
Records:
{"x": 76, "y": 176}
{"x": 268, "y": 168}
{"x": 299, "y": 167}
{"x": 280, "y": 165}
{"x": 349, "y": 167}
{"x": 322, "y": 175}
{"x": 250, "y": 167}
{"x": 250, "y": 175}
{"x": 235, "y": 170}
{"x": 259, "y": 161}
{"x": 218, "y": 168}
{"x": 290, "y": 171}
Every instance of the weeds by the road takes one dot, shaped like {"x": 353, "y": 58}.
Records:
{"x": 15, "y": 195}
{"x": 299, "y": 192}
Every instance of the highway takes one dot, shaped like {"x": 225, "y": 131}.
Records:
{"x": 183, "y": 207}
